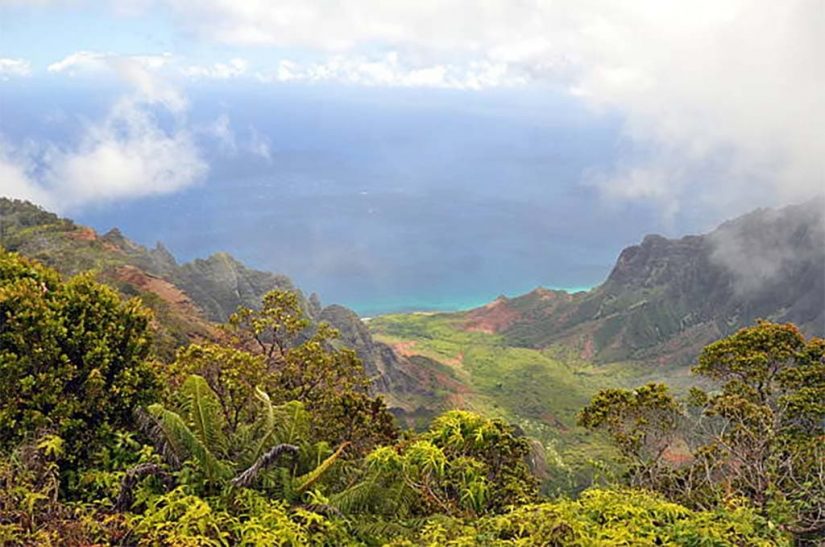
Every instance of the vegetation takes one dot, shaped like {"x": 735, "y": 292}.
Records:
{"x": 541, "y": 391}
{"x": 761, "y": 437}
{"x": 269, "y": 435}
{"x": 73, "y": 358}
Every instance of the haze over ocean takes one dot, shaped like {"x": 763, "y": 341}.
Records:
{"x": 381, "y": 202}
{"x": 396, "y": 155}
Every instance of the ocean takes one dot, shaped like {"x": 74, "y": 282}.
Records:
{"x": 383, "y": 202}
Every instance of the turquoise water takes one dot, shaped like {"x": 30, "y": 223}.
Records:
{"x": 409, "y": 305}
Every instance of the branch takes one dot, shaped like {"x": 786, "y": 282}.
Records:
{"x": 131, "y": 479}
{"x": 248, "y": 477}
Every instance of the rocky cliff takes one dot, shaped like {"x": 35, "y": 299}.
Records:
{"x": 666, "y": 298}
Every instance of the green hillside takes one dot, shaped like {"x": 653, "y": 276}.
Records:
{"x": 539, "y": 390}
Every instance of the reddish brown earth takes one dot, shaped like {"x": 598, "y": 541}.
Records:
{"x": 492, "y": 318}
{"x": 589, "y": 349}
{"x": 165, "y": 290}
{"x": 404, "y": 349}
{"x": 677, "y": 454}
{"x": 431, "y": 379}
{"x": 456, "y": 361}
{"x": 87, "y": 234}
{"x": 182, "y": 311}
{"x": 83, "y": 234}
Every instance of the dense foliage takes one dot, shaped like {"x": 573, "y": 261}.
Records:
{"x": 73, "y": 358}
{"x": 272, "y": 437}
{"x": 761, "y": 436}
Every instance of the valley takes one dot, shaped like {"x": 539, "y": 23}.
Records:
{"x": 534, "y": 360}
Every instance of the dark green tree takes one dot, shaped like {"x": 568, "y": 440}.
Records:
{"x": 769, "y": 439}
{"x": 643, "y": 424}
{"x": 73, "y": 358}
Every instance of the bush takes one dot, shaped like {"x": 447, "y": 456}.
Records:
{"x": 72, "y": 357}
{"x": 604, "y": 517}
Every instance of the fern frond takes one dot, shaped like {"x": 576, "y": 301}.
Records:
{"x": 282, "y": 424}
{"x": 359, "y": 496}
{"x": 180, "y": 443}
{"x": 379, "y": 493}
{"x": 294, "y": 422}
{"x": 205, "y": 414}
{"x": 382, "y": 529}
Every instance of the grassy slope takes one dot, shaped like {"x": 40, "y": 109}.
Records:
{"x": 540, "y": 390}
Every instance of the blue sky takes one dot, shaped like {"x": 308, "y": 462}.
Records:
{"x": 426, "y": 152}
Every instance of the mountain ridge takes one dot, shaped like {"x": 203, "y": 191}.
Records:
{"x": 665, "y": 298}
{"x": 189, "y": 298}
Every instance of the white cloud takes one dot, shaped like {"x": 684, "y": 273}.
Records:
{"x": 727, "y": 95}
{"x": 142, "y": 72}
{"x": 128, "y": 154}
{"x": 221, "y": 71}
{"x": 16, "y": 178}
{"x": 389, "y": 71}
{"x": 14, "y": 68}
{"x": 81, "y": 62}
{"x": 222, "y": 131}
{"x": 258, "y": 145}
{"x": 722, "y": 97}
{"x": 253, "y": 142}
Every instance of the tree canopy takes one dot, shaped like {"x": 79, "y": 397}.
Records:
{"x": 271, "y": 435}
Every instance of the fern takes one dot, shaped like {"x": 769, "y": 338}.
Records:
{"x": 358, "y": 496}
{"x": 179, "y": 443}
{"x": 283, "y": 424}
{"x": 381, "y": 492}
{"x": 204, "y": 411}
{"x": 382, "y": 529}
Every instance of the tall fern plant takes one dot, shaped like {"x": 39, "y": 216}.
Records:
{"x": 272, "y": 452}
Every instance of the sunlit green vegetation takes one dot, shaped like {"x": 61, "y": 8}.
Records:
{"x": 541, "y": 391}
{"x": 272, "y": 437}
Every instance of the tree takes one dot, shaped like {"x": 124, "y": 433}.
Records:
{"x": 769, "y": 443}
{"x": 306, "y": 363}
{"x": 761, "y": 436}
{"x": 73, "y": 357}
{"x": 642, "y": 423}
{"x": 232, "y": 374}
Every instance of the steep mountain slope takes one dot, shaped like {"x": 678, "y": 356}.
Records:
{"x": 666, "y": 298}
{"x": 187, "y": 298}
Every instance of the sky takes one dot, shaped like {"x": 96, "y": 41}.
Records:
{"x": 411, "y": 154}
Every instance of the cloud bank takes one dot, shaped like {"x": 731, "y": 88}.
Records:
{"x": 722, "y": 99}
{"x": 389, "y": 71}
{"x": 128, "y": 154}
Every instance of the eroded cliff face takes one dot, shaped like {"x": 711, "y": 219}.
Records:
{"x": 391, "y": 373}
{"x": 666, "y": 298}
